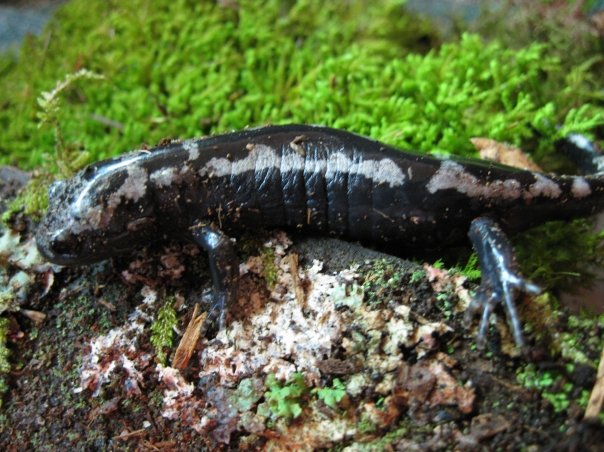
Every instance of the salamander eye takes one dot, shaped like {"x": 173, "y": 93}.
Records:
{"x": 64, "y": 243}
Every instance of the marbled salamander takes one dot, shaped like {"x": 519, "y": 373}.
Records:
{"x": 315, "y": 179}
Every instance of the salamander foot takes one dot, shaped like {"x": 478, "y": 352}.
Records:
{"x": 224, "y": 267}
{"x": 501, "y": 280}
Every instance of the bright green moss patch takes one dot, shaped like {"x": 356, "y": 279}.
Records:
{"x": 182, "y": 69}
{"x": 333, "y": 395}
{"x": 283, "y": 400}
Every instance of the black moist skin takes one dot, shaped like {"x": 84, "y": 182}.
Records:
{"x": 315, "y": 179}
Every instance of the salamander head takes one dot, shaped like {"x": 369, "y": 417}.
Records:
{"x": 104, "y": 210}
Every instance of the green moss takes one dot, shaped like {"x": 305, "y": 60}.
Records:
{"x": 549, "y": 384}
{"x": 32, "y": 200}
{"x": 567, "y": 33}
{"x": 366, "y": 425}
{"x": 283, "y": 400}
{"x": 4, "y": 355}
{"x": 471, "y": 269}
{"x": 270, "y": 270}
{"x": 382, "y": 281}
{"x": 331, "y": 396}
{"x": 162, "y": 329}
{"x": 68, "y": 159}
{"x": 558, "y": 255}
{"x": 343, "y": 64}
{"x": 578, "y": 341}
{"x": 168, "y": 75}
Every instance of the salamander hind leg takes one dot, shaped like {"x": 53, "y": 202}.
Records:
{"x": 501, "y": 280}
{"x": 224, "y": 267}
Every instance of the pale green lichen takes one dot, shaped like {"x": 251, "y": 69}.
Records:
{"x": 248, "y": 392}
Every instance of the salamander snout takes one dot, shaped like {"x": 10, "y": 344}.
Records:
{"x": 64, "y": 243}
{"x": 60, "y": 247}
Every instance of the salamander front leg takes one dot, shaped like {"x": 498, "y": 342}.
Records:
{"x": 500, "y": 278}
{"x": 224, "y": 267}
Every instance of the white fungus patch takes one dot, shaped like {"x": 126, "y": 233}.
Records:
{"x": 31, "y": 269}
{"x": 116, "y": 355}
{"x": 452, "y": 175}
{"x": 283, "y": 335}
{"x": 302, "y": 334}
{"x": 262, "y": 157}
{"x": 179, "y": 401}
{"x": 580, "y": 187}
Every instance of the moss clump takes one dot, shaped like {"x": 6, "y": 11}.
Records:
{"x": 331, "y": 396}
{"x": 578, "y": 341}
{"x": 183, "y": 68}
{"x": 471, "y": 269}
{"x": 283, "y": 400}
{"x": 4, "y": 354}
{"x": 162, "y": 329}
{"x": 343, "y": 65}
{"x": 383, "y": 281}
{"x": 68, "y": 159}
{"x": 559, "y": 255}
{"x": 32, "y": 199}
{"x": 270, "y": 270}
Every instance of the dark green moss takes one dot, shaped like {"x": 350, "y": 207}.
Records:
{"x": 561, "y": 255}
{"x": 382, "y": 281}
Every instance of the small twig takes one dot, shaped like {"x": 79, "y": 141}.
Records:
{"x": 134, "y": 433}
{"x": 189, "y": 340}
{"x": 35, "y": 316}
{"x": 596, "y": 398}
{"x": 298, "y": 290}
{"x": 107, "y": 122}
